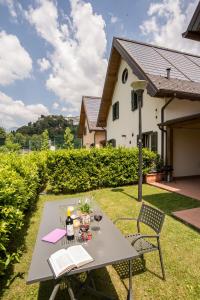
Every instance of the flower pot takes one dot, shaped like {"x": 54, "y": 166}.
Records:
{"x": 153, "y": 177}
{"x": 85, "y": 219}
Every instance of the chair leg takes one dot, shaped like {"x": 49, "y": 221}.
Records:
{"x": 161, "y": 261}
{"x": 143, "y": 261}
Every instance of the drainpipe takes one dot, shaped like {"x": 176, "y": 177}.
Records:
{"x": 163, "y": 131}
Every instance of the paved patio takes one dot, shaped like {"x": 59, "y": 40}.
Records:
{"x": 188, "y": 187}
{"x": 189, "y": 216}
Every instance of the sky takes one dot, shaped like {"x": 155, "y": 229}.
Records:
{"x": 54, "y": 52}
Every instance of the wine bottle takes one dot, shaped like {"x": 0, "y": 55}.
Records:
{"x": 69, "y": 226}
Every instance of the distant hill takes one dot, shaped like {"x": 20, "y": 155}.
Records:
{"x": 56, "y": 125}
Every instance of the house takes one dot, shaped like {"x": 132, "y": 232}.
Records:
{"x": 171, "y": 102}
{"x": 193, "y": 30}
{"x": 91, "y": 135}
{"x": 72, "y": 120}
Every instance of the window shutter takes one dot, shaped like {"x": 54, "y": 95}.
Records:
{"x": 117, "y": 110}
{"x": 134, "y": 100}
{"x": 113, "y": 112}
{"x": 154, "y": 141}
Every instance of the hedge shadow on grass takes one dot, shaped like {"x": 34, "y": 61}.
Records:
{"x": 169, "y": 202}
{"x": 121, "y": 190}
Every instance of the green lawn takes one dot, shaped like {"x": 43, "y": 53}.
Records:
{"x": 180, "y": 244}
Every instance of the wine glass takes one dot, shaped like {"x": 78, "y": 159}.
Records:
{"x": 76, "y": 225}
{"x": 84, "y": 232}
{"x": 98, "y": 217}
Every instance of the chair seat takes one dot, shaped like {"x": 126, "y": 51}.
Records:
{"x": 142, "y": 246}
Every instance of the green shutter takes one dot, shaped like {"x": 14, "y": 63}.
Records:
{"x": 154, "y": 142}
{"x": 117, "y": 110}
{"x": 134, "y": 100}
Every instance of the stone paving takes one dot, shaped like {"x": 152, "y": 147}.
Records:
{"x": 188, "y": 187}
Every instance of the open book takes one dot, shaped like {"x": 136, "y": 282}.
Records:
{"x": 65, "y": 260}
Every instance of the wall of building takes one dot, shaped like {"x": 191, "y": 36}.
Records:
{"x": 88, "y": 138}
{"x": 179, "y": 108}
{"x": 99, "y": 137}
{"x": 186, "y": 158}
{"x": 125, "y": 129}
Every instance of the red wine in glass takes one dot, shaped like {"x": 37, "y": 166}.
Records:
{"x": 98, "y": 218}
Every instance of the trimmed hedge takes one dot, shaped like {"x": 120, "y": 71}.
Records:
{"x": 22, "y": 177}
{"x": 81, "y": 170}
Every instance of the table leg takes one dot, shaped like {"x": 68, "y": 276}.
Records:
{"x": 54, "y": 292}
{"x": 130, "y": 292}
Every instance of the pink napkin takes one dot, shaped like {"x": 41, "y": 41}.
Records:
{"x": 54, "y": 236}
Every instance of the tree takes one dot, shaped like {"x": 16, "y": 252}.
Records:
{"x": 45, "y": 140}
{"x": 10, "y": 145}
{"x": 20, "y": 139}
{"x": 68, "y": 138}
{"x": 2, "y": 136}
{"x": 35, "y": 142}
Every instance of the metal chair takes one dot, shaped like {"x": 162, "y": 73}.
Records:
{"x": 153, "y": 218}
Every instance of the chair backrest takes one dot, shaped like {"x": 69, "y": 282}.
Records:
{"x": 152, "y": 217}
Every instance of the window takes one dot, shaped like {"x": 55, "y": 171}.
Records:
{"x": 112, "y": 143}
{"x": 134, "y": 101}
{"x": 150, "y": 140}
{"x": 124, "y": 76}
{"x": 115, "y": 110}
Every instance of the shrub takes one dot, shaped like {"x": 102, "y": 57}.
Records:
{"x": 11, "y": 221}
{"x": 21, "y": 179}
{"x": 82, "y": 170}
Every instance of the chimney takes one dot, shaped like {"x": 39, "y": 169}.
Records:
{"x": 168, "y": 73}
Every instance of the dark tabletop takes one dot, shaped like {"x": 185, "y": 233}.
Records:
{"x": 106, "y": 247}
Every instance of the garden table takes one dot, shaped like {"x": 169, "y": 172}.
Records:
{"x": 107, "y": 248}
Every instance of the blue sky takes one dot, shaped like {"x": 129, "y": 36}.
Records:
{"x": 53, "y": 52}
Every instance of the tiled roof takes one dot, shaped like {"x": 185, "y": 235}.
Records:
{"x": 155, "y": 60}
{"x": 92, "y": 105}
{"x": 89, "y": 112}
{"x": 150, "y": 63}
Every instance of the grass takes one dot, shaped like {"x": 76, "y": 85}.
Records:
{"x": 180, "y": 245}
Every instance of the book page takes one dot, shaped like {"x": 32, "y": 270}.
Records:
{"x": 61, "y": 262}
{"x": 79, "y": 255}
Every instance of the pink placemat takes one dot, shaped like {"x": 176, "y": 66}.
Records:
{"x": 54, "y": 236}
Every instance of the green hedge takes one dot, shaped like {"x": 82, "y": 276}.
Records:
{"x": 81, "y": 170}
{"x": 22, "y": 177}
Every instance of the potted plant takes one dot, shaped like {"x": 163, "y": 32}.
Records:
{"x": 156, "y": 174}
{"x": 84, "y": 211}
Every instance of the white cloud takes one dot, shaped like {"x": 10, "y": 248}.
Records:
{"x": 15, "y": 113}
{"x": 14, "y": 7}
{"x": 15, "y": 62}
{"x": 69, "y": 110}
{"x": 55, "y": 105}
{"x": 167, "y": 21}
{"x": 44, "y": 64}
{"x": 113, "y": 19}
{"x": 77, "y": 59}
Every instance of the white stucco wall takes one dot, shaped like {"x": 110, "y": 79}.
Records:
{"x": 186, "y": 152}
{"x": 127, "y": 124}
{"x": 179, "y": 108}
